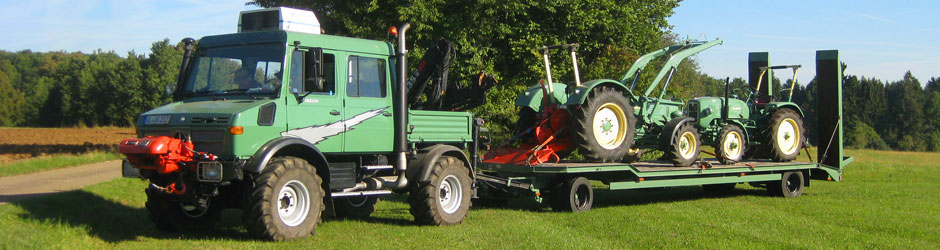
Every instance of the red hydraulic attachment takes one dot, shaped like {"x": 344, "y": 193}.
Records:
{"x": 161, "y": 154}
{"x": 550, "y": 136}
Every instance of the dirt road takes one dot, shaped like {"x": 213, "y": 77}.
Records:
{"x": 18, "y": 187}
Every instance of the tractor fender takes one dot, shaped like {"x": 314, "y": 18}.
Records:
{"x": 419, "y": 170}
{"x": 742, "y": 127}
{"x": 789, "y": 105}
{"x": 581, "y": 92}
{"x": 289, "y": 146}
{"x": 532, "y": 97}
{"x": 670, "y": 129}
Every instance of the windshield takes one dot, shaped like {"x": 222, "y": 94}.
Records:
{"x": 252, "y": 69}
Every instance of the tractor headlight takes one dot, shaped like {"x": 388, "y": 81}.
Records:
{"x": 706, "y": 112}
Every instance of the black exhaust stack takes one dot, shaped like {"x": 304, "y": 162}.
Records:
{"x": 187, "y": 58}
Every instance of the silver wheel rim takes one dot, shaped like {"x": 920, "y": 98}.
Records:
{"x": 687, "y": 145}
{"x": 451, "y": 194}
{"x": 193, "y": 211}
{"x": 788, "y": 136}
{"x": 731, "y": 145}
{"x": 293, "y": 203}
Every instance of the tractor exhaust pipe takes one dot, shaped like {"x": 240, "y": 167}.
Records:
{"x": 187, "y": 58}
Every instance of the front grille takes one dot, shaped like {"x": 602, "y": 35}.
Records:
{"x": 210, "y": 141}
{"x": 207, "y": 120}
{"x": 693, "y": 110}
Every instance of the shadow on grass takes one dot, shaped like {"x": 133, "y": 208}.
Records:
{"x": 615, "y": 198}
{"x": 111, "y": 221}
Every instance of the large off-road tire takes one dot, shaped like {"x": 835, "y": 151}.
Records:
{"x": 355, "y": 207}
{"x": 445, "y": 198}
{"x": 790, "y": 185}
{"x": 575, "y": 195}
{"x": 170, "y": 215}
{"x": 604, "y": 126}
{"x": 685, "y": 146}
{"x": 286, "y": 200}
{"x": 731, "y": 144}
{"x": 785, "y": 135}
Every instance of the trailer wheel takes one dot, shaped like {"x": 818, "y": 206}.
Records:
{"x": 785, "y": 135}
{"x": 685, "y": 146}
{"x": 575, "y": 195}
{"x": 604, "y": 126}
{"x": 445, "y": 198}
{"x": 355, "y": 207}
{"x": 171, "y": 215}
{"x": 286, "y": 200}
{"x": 790, "y": 185}
{"x": 731, "y": 147}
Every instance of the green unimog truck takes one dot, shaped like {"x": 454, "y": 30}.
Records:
{"x": 287, "y": 123}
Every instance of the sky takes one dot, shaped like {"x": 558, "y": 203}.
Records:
{"x": 880, "y": 39}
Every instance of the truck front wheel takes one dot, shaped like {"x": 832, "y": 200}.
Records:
{"x": 286, "y": 200}
{"x": 170, "y": 215}
{"x": 445, "y": 198}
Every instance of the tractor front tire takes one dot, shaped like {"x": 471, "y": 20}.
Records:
{"x": 731, "y": 144}
{"x": 286, "y": 200}
{"x": 445, "y": 198}
{"x": 684, "y": 147}
{"x": 355, "y": 207}
{"x": 170, "y": 215}
{"x": 604, "y": 126}
{"x": 785, "y": 135}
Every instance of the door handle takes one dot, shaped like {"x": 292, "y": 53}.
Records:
{"x": 334, "y": 112}
{"x": 387, "y": 114}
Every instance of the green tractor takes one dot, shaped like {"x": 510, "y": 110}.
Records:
{"x": 760, "y": 126}
{"x": 604, "y": 119}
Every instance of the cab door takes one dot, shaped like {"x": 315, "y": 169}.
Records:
{"x": 368, "y": 106}
{"x": 314, "y": 109}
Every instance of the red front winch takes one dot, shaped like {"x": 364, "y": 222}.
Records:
{"x": 161, "y": 154}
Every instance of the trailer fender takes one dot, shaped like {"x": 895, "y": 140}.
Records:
{"x": 742, "y": 127}
{"x": 581, "y": 92}
{"x": 532, "y": 97}
{"x": 419, "y": 170}
{"x": 665, "y": 139}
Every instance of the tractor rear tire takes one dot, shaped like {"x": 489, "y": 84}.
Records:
{"x": 731, "y": 144}
{"x": 286, "y": 200}
{"x": 604, "y": 126}
{"x": 355, "y": 207}
{"x": 785, "y": 135}
{"x": 526, "y": 120}
{"x": 445, "y": 198}
{"x": 685, "y": 146}
{"x": 575, "y": 195}
{"x": 170, "y": 215}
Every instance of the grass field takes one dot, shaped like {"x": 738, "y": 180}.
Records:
{"x": 888, "y": 200}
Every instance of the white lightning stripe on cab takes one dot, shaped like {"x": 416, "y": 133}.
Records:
{"x": 316, "y": 134}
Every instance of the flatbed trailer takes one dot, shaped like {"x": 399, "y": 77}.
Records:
{"x": 566, "y": 185}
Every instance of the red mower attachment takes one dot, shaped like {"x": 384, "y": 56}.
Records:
{"x": 161, "y": 154}
{"x": 549, "y": 136}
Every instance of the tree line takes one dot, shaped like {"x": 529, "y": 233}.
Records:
{"x": 50, "y": 89}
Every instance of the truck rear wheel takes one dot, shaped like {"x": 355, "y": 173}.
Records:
{"x": 785, "y": 135}
{"x": 685, "y": 146}
{"x": 355, "y": 207}
{"x": 575, "y": 195}
{"x": 790, "y": 185}
{"x": 445, "y": 198}
{"x": 604, "y": 126}
{"x": 730, "y": 148}
{"x": 286, "y": 200}
{"x": 171, "y": 215}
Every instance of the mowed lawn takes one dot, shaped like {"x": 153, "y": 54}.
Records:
{"x": 887, "y": 200}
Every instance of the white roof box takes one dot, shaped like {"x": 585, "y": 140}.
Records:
{"x": 279, "y": 18}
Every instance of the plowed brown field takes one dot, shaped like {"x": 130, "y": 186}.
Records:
{"x": 22, "y": 143}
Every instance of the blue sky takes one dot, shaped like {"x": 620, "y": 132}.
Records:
{"x": 881, "y": 39}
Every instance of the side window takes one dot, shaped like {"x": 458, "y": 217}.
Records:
{"x": 366, "y": 77}
{"x": 302, "y": 82}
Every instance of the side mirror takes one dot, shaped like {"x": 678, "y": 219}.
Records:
{"x": 170, "y": 88}
{"x": 313, "y": 72}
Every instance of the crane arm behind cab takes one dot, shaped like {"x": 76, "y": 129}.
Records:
{"x": 433, "y": 69}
